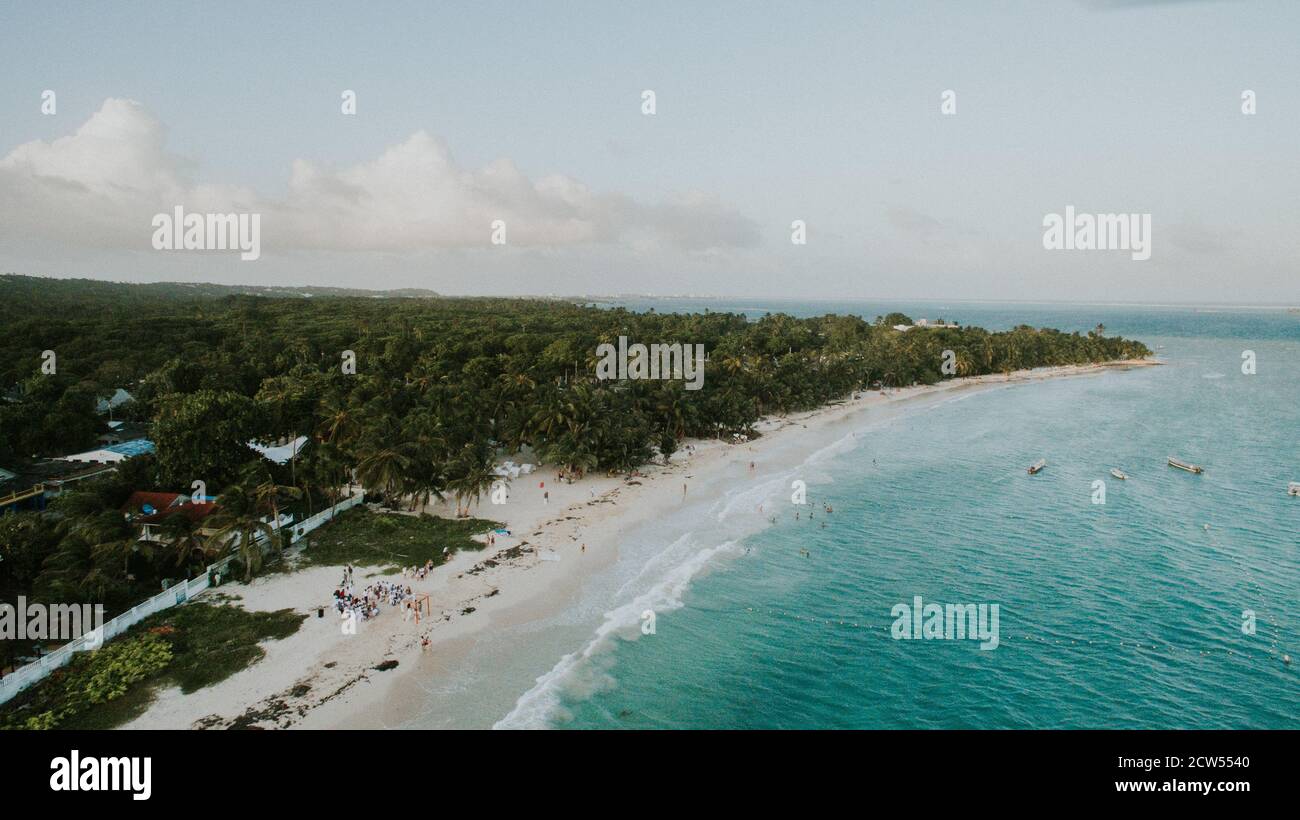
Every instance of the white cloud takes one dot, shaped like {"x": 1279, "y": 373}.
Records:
{"x": 101, "y": 186}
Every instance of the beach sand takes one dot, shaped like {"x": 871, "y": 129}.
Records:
{"x": 322, "y": 678}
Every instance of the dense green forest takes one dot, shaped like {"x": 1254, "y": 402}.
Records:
{"x": 442, "y": 387}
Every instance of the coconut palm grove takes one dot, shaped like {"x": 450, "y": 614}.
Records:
{"x": 409, "y": 395}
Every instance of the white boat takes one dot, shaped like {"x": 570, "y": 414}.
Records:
{"x": 1037, "y": 466}
{"x": 1185, "y": 465}
{"x": 1293, "y": 488}
{"x": 1118, "y": 473}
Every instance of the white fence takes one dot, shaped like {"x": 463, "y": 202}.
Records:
{"x": 25, "y": 676}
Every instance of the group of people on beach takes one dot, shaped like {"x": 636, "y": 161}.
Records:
{"x": 367, "y": 604}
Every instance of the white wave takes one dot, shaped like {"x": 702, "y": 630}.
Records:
{"x": 841, "y": 445}
{"x": 580, "y": 674}
{"x": 749, "y": 498}
{"x": 577, "y": 673}
{"x": 657, "y": 565}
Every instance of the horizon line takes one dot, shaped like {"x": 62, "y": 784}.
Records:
{"x": 1285, "y": 306}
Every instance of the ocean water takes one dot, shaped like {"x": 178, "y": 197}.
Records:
{"x": 1127, "y": 614}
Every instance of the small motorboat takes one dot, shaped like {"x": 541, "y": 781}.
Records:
{"x": 1293, "y": 488}
{"x": 1037, "y": 466}
{"x": 1118, "y": 473}
{"x": 1185, "y": 465}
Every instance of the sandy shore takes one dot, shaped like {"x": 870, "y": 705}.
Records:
{"x": 322, "y": 678}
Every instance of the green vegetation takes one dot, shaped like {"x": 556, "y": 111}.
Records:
{"x": 441, "y": 389}
{"x": 366, "y": 538}
{"x": 81, "y": 549}
{"x": 190, "y": 646}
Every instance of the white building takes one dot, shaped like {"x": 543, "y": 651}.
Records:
{"x": 279, "y": 453}
{"x": 119, "y": 398}
{"x": 114, "y": 454}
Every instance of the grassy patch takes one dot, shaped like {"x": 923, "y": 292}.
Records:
{"x": 190, "y": 646}
{"x": 211, "y": 643}
{"x": 366, "y": 538}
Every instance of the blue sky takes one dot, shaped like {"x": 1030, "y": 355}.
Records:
{"x": 766, "y": 113}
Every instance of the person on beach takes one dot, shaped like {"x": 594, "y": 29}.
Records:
{"x": 546, "y": 497}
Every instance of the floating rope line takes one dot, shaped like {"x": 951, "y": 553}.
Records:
{"x": 1127, "y": 643}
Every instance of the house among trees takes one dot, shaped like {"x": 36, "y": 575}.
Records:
{"x": 150, "y": 512}
{"x": 108, "y": 405}
{"x": 281, "y": 451}
{"x": 922, "y": 323}
{"x": 118, "y": 432}
{"x": 33, "y": 485}
{"x": 114, "y": 453}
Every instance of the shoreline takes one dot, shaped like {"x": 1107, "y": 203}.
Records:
{"x": 320, "y": 678}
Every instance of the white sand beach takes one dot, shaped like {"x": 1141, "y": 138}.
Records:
{"x": 322, "y": 678}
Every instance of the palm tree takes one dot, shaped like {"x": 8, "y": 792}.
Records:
{"x": 338, "y": 421}
{"x": 240, "y": 524}
{"x": 269, "y": 494}
{"x": 122, "y": 549}
{"x": 384, "y": 469}
{"x": 328, "y": 470}
{"x": 108, "y": 538}
{"x": 965, "y": 364}
{"x": 185, "y": 539}
{"x": 87, "y": 565}
{"x": 285, "y": 395}
{"x": 472, "y": 476}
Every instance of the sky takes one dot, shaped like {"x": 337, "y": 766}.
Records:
{"x": 532, "y": 113}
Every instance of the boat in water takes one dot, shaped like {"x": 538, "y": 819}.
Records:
{"x": 1037, "y": 466}
{"x": 1118, "y": 473}
{"x": 1293, "y": 488}
{"x": 1185, "y": 465}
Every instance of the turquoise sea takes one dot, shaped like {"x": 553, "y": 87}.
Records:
{"x": 1127, "y": 614}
